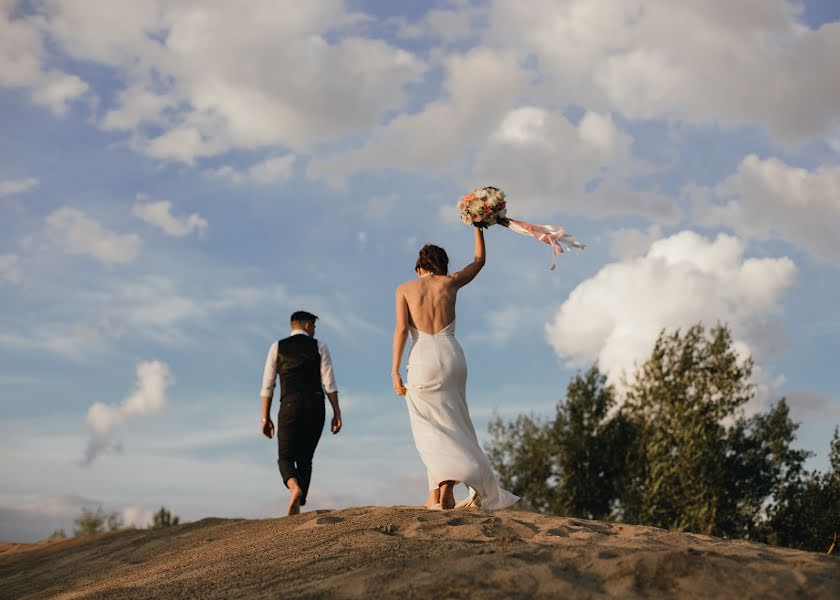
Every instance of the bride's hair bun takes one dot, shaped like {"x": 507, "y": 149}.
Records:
{"x": 433, "y": 259}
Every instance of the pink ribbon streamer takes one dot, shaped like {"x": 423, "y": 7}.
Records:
{"x": 553, "y": 235}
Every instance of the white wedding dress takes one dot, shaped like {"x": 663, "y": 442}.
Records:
{"x": 440, "y": 420}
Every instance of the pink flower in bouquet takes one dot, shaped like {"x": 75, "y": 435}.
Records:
{"x": 482, "y": 207}
{"x": 485, "y": 207}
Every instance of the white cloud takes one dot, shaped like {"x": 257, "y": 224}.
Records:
{"x": 615, "y": 316}
{"x": 214, "y": 77}
{"x": 160, "y": 215}
{"x": 23, "y": 58}
{"x": 153, "y": 378}
{"x": 10, "y": 268}
{"x": 480, "y": 87}
{"x": 136, "y": 516}
{"x": 768, "y": 199}
{"x": 702, "y": 62}
{"x": 71, "y": 341}
{"x": 9, "y": 187}
{"x": 76, "y": 233}
{"x": 270, "y": 170}
{"x": 446, "y": 24}
{"x": 148, "y": 308}
{"x": 629, "y": 243}
{"x": 56, "y": 90}
{"x": 548, "y": 164}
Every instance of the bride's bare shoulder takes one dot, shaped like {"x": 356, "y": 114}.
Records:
{"x": 406, "y": 286}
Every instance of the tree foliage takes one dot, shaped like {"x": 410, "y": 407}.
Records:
{"x": 95, "y": 521}
{"x": 163, "y": 518}
{"x": 677, "y": 453}
{"x": 571, "y": 464}
{"x": 806, "y": 513}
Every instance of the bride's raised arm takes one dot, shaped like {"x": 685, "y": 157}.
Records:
{"x": 468, "y": 273}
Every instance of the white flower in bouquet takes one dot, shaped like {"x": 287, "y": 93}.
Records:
{"x": 485, "y": 207}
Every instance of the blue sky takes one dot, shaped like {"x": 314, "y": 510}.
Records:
{"x": 178, "y": 177}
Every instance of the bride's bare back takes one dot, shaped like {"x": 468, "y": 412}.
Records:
{"x": 431, "y": 302}
{"x": 428, "y": 304}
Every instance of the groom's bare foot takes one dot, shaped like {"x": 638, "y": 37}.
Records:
{"x": 294, "y": 500}
{"x": 433, "y": 498}
{"x": 447, "y": 495}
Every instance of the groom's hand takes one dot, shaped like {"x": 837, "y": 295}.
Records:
{"x": 268, "y": 428}
{"x": 335, "y": 426}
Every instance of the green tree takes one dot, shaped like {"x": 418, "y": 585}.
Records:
{"x": 522, "y": 453}
{"x": 572, "y": 464}
{"x": 58, "y": 534}
{"x": 592, "y": 449}
{"x": 704, "y": 466}
{"x": 163, "y": 518}
{"x": 90, "y": 522}
{"x": 678, "y": 452}
{"x": 806, "y": 511}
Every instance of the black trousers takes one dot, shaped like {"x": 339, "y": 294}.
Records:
{"x": 300, "y": 422}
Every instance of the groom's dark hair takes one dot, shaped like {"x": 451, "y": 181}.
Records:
{"x": 301, "y": 316}
{"x": 433, "y": 259}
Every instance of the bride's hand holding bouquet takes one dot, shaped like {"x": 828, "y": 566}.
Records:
{"x": 485, "y": 207}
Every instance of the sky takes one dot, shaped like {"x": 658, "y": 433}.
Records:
{"x": 177, "y": 177}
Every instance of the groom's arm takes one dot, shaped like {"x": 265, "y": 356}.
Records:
{"x": 335, "y": 426}
{"x": 330, "y": 387}
{"x": 267, "y": 391}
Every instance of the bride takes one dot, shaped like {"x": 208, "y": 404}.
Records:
{"x": 435, "y": 388}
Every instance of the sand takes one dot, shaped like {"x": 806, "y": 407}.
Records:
{"x": 408, "y": 552}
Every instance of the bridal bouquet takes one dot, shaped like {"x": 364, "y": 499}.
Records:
{"x": 484, "y": 207}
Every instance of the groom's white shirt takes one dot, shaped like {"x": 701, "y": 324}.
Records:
{"x": 270, "y": 371}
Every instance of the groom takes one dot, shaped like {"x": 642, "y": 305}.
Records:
{"x": 305, "y": 370}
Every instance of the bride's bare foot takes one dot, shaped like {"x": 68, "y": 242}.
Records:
{"x": 294, "y": 500}
{"x": 447, "y": 495}
{"x": 433, "y": 498}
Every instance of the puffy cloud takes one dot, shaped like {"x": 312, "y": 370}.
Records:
{"x": 629, "y": 243}
{"x": 153, "y": 378}
{"x": 56, "y": 90}
{"x": 22, "y": 58}
{"x": 615, "y": 316}
{"x": 270, "y": 170}
{"x": 9, "y": 187}
{"x": 136, "y": 516}
{"x": 203, "y": 77}
{"x": 447, "y": 24}
{"x": 160, "y": 215}
{"x": 702, "y": 62}
{"x": 10, "y": 268}
{"x": 550, "y": 164}
{"x": 768, "y": 199}
{"x": 480, "y": 87}
{"x": 76, "y": 233}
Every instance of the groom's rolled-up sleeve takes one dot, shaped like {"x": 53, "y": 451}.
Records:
{"x": 327, "y": 373}
{"x": 270, "y": 372}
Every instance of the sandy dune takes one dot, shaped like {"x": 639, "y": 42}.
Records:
{"x": 411, "y": 553}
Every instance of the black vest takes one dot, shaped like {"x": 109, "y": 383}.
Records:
{"x": 299, "y": 368}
